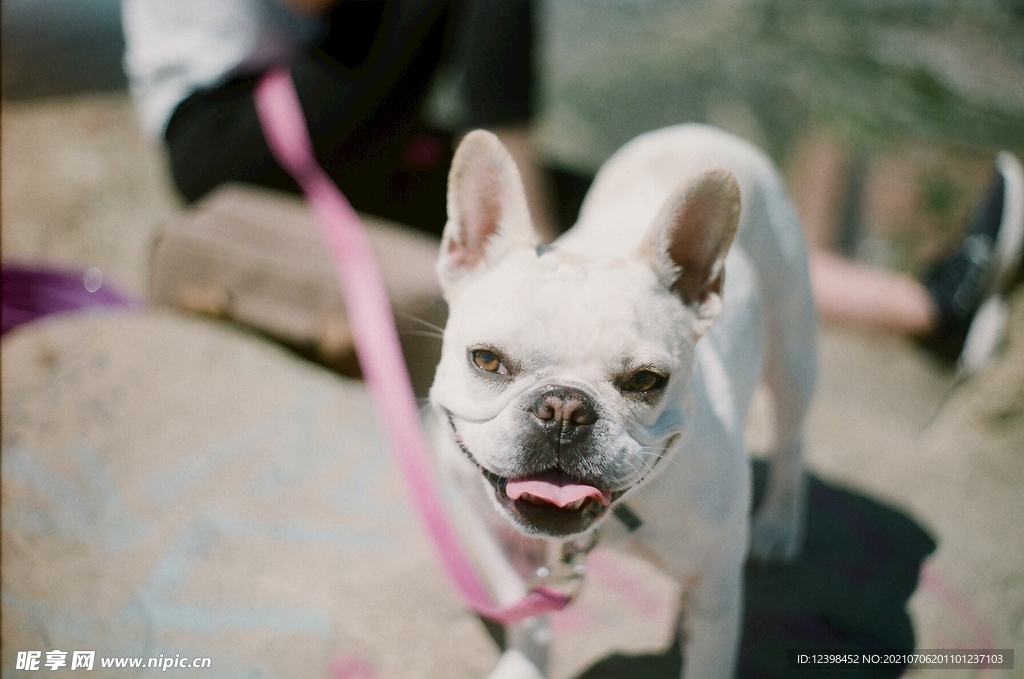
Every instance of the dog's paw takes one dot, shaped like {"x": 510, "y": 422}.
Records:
{"x": 515, "y": 665}
{"x": 777, "y": 529}
{"x": 775, "y": 538}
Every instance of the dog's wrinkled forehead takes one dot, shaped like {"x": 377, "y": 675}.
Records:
{"x": 555, "y": 305}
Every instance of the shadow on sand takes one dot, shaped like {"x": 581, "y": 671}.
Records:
{"x": 848, "y": 591}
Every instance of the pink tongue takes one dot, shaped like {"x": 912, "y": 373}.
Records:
{"x": 555, "y": 491}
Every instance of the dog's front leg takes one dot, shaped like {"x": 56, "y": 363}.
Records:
{"x": 527, "y": 641}
{"x": 506, "y": 560}
{"x": 712, "y": 613}
{"x": 526, "y": 655}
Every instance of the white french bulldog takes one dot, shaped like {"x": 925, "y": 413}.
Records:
{"x": 604, "y": 381}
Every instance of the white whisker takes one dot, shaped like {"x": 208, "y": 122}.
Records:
{"x": 420, "y": 333}
{"x": 430, "y": 326}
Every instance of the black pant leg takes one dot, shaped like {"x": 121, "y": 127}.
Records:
{"x": 363, "y": 121}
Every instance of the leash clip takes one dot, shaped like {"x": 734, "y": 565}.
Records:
{"x": 565, "y": 573}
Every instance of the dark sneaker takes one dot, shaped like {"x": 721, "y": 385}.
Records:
{"x": 969, "y": 287}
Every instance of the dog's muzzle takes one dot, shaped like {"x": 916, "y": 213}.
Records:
{"x": 552, "y": 494}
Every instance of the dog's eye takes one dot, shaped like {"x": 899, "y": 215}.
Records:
{"x": 488, "y": 361}
{"x": 643, "y": 381}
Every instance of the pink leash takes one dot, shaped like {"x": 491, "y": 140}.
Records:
{"x": 376, "y": 342}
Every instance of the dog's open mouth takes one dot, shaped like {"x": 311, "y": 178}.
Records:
{"x": 552, "y": 502}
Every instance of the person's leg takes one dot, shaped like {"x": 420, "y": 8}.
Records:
{"x": 980, "y": 272}
{"x": 362, "y": 120}
{"x": 941, "y": 310}
{"x": 391, "y": 164}
{"x": 847, "y": 292}
{"x": 495, "y": 51}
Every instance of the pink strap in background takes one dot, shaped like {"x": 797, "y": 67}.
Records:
{"x": 376, "y": 341}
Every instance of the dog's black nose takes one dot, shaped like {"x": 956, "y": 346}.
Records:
{"x": 563, "y": 412}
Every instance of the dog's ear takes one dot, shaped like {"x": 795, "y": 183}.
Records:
{"x": 690, "y": 238}
{"x": 487, "y": 212}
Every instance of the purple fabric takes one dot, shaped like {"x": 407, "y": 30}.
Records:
{"x": 35, "y": 291}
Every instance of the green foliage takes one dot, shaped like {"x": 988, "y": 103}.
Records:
{"x": 872, "y": 70}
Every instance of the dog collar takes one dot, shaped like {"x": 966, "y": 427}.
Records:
{"x": 566, "y": 571}
{"x": 627, "y": 517}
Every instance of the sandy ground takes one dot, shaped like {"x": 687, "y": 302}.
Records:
{"x": 80, "y": 185}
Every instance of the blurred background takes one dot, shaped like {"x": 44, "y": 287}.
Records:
{"x": 903, "y": 102}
